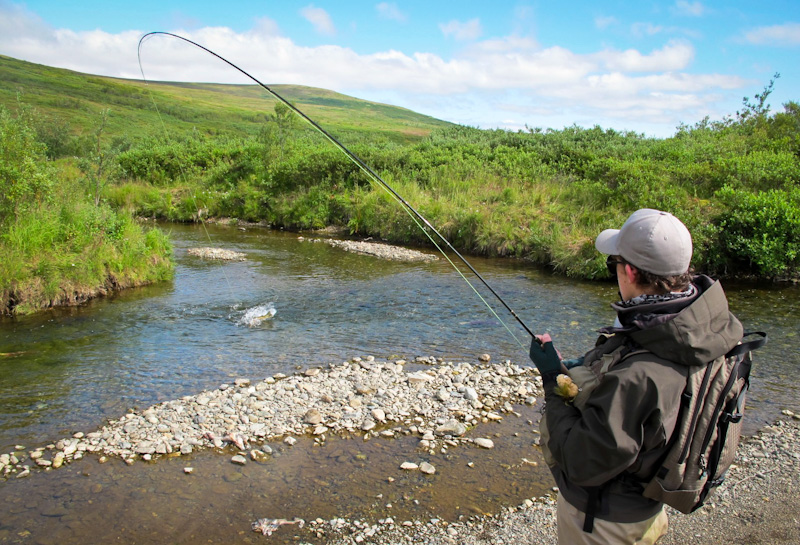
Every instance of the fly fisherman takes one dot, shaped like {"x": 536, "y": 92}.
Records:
{"x": 602, "y": 445}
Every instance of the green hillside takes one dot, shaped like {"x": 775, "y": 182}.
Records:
{"x": 213, "y": 109}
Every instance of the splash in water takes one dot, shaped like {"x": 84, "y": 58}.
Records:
{"x": 254, "y": 317}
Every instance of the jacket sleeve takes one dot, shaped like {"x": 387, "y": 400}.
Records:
{"x": 595, "y": 445}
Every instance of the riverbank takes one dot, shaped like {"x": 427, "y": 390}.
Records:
{"x": 436, "y": 402}
{"x": 758, "y": 503}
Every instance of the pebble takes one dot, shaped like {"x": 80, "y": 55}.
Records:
{"x": 368, "y": 395}
{"x": 383, "y": 251}
{"x": 427, "y": 468}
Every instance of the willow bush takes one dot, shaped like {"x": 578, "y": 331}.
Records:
{"x": 540, "y": 195}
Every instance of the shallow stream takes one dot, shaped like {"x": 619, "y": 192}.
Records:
{"x": 74, "y": 369}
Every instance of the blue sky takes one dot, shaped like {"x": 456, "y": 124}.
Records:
{"x": 642, "y": 66}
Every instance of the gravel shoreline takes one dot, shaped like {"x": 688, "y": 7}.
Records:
{"x": 758, "y": 503}
{"x": 437, "y": 402}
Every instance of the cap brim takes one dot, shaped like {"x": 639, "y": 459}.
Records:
{"x": 606, "y": 242}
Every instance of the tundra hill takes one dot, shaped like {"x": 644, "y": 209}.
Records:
{"x": 74, "y": 101}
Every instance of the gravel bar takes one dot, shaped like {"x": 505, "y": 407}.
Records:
{"x": 438, "y": 402}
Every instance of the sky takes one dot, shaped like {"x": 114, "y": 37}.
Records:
{"x": 644, "y": 66}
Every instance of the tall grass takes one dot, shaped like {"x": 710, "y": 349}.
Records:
{"x": 57, "y": 246}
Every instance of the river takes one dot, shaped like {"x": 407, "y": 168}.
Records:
{"x": 79, "y": 367}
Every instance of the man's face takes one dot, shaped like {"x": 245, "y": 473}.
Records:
{"x": 625, "y": 277}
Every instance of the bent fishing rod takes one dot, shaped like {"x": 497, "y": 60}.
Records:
{"x": 371, "y": 174}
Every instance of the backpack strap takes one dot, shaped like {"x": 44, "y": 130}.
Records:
{"x": 593, "y": 504}
{"x": 733, "y": 410}
{"x": 744, "y": 347}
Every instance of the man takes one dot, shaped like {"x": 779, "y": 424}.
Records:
{"x": 610, "y": 439}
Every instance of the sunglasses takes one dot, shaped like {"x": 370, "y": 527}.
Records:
{"x": 611, "y": 264}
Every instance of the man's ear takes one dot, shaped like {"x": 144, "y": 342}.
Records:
{"x": 631, "y": 273}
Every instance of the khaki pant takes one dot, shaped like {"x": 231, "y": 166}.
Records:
{"x": 570, "y": 528}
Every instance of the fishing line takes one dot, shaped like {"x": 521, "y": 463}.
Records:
{"x": 183, "y": 174}
{"x": 372, "y": 175}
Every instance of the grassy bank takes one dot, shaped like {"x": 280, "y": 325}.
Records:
{"x": 58, "y": 247}
{"x": 537, "y": 195}
{"x": 74, "y": 174}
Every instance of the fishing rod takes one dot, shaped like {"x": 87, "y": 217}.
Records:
{"x": 370, "y": 174}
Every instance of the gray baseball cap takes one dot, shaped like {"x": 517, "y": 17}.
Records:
{"x": 651, "y": 240}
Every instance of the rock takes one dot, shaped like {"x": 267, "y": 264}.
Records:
{"x": 484, "y": 357}
{"x": 313, "y": 417}
{"x": 290, "y": 441}
{"x": 367, "y": 425}
{"x": 58, "y": 460}
{"x": 452, "y": 427}
{"x": 259, "y": 455}
{"x": 145, "y": 447}
{"x": 188, "y": 470}
{"x": 419, "y": 378}
{"x": 379, "y": 415}
{"x": 427, "y": 468}
{"x": 409, "y": 466}
{"x": 239, "y": 459}
{"x": 363, "y": 389}
{"x": 484, "y": 443}
{"x": 470, "y": 394}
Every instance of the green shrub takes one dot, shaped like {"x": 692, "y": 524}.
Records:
{"x": 25, "y": 177}
{"x": 759, "y": 233}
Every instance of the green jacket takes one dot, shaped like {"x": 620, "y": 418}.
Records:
{"x": 618, "y": 437}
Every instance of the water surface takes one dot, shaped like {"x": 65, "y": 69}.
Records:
{"x": 81, "y": 366}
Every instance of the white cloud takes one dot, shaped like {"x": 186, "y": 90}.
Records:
{"x": 691, "y": 9}
{"x": 469, "y": 30}
{"x": 483, "y": 84}
{"x": 320, "y": 19}
{"x": 673, "y": 56}
{"x": 389, "y": 10}
{"x": 787, "y": 34}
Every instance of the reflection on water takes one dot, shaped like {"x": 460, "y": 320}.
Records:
{"x": 72, "y": 369}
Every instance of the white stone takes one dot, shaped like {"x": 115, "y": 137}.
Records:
{"x": 427, "y": 468}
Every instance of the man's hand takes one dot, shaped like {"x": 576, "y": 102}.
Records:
{"x": 544, "y": 355}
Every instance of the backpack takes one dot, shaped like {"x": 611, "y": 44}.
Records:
{"x": 708, "y": 430}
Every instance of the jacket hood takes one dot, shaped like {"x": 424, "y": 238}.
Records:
{"x": 692, "y": 332}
